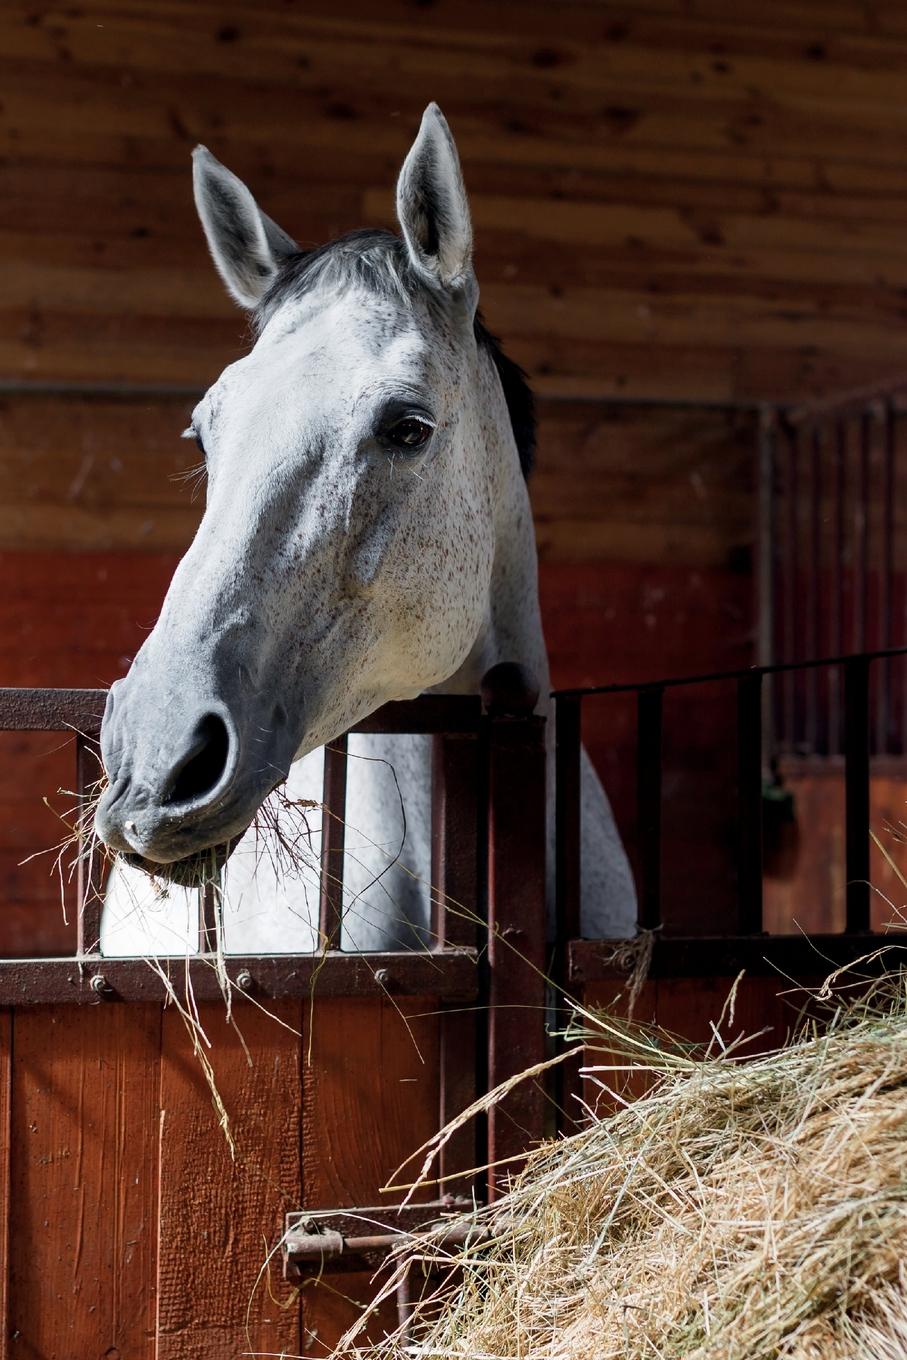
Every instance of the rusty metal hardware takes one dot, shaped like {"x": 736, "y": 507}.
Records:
{"x": 450, "y": 975}
{"x": 359, "y": 1239}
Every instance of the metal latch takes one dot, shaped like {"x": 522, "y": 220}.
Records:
{"x": 322, "y": 1240}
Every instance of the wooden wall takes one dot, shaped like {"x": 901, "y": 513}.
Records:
{"x": 699, "y": 200}
{"x": 643, "y": 521}
{"x": 694, "y": 203}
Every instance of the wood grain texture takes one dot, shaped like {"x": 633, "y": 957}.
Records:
{"x": 612, "y": 482}
{"x": 370, "y": 1099}
{"x": 83, "y": 1148}
{"x": 704, "y": 203}
{"x": 38, "y": 908}
{"x": 805, "y": 881}
{"x": 219, "y": 1217}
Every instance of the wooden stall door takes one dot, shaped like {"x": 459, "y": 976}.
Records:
{"x": 136, "y": 1226}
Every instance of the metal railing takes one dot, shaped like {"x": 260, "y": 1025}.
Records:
{"x": 488, "y": 883}
{"x": 741, "y": 942}
{"x": 832, "y": 490}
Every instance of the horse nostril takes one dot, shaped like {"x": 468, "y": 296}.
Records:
{"x": 203, "y": 765}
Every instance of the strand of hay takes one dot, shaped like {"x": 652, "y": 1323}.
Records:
{"x": 740, "y": 1211}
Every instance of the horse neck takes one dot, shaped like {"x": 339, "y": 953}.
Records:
{"x": 512, "y": 627}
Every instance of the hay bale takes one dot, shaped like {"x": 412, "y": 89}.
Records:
{"x": 740, "y": 1210}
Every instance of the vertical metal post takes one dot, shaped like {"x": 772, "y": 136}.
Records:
{"x": 768, "y": 573}
{"x": 333, "y": 838}
{"x": 814, "y": 738}
{"x": 89, "y": 877}
{"x": 516, "y": 915}
{"x": 856, "y": 792}
{"x": 454, "y": 878}
{"x": 650, "y": 704}
{"x": 568, "y": 844}
{"x": 861, "y": 537}
{"x": 568, "y": 873}
{"x": 454, "y": 814}
{"x": 207, "y": 919}
{"x": 836, "y": 708}
{"x": 886, "y": 723}
{"x": 749, "y": 802}
{"x": 792, "y": 607}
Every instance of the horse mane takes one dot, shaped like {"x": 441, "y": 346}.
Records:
{"x": 377, "y": 260}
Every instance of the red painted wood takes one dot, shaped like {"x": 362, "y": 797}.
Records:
{"x": 219, "y": 1215}
{"x": 370, "y": 1098}
{"x": 83, "y": 1206}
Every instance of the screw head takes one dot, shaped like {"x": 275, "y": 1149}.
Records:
{"x": 244, "y": 980}
{"x": 382, "y": 977}
{"x": 99, "y": 984}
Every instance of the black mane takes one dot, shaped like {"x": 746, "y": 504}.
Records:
{"x": 377, "y": 260}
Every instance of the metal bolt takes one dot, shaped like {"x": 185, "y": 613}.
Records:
{"x": 100, "y": 985}
{"x": 244, "y": 980}
{"x": 382, "y": 977}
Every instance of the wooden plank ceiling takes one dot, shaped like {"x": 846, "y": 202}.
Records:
{"x": 671, "y": 199}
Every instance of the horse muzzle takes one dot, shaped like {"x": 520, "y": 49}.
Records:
{"x": 179, "y": 795}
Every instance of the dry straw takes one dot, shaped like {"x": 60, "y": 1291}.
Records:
{"x": 738, "y": 1211}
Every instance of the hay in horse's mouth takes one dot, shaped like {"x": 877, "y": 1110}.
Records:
{"x": 197, "y": 870}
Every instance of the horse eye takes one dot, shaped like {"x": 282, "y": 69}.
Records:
{"x": 408, "y": 434}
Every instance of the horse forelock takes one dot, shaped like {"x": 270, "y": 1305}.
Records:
{"x": 378, "y": 262}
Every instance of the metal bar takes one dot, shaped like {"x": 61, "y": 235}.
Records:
{"x": 856, "y": 792}
{"x": 674, "y": 682}
{"x": 55, "y": 710}
{"x": 450, "y": 976}
{"x": 790, "y": 596}
{"x": 767, "y": 571}
{"x": 568, "y": 841}
{"x": 861, "y": 535}
{"x": 749, "y": 796}
{"x": 516, "y": 922}
{"x": 83, "y": 709}
{"x": 90, "y": 872}
{"x": 841, "y": 460}
{"x": 333, "y": 839}
{"x": 207, "y": 919}
{"x": 801, "y": 958}
{"x": 455, "y": 921}
{"x": 814, "y": 592}
{"x": 568, "y": 881}
{"x": 323, "y": 1248}
{"x": 428, "y": 714}
{"x": 650, "y": 704}
{"x": 886, "y": 726}
{"x": 454, "y": 823}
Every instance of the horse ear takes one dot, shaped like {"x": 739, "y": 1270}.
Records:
{"x": 432, "y": 207}
{"x": 246, "y": 246}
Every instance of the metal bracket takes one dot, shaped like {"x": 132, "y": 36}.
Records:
{"x": 322, "y": 1240}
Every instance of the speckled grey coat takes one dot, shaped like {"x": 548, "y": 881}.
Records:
{"x": 367, "y": 537}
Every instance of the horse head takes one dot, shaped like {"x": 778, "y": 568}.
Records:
{"x": 346, "y": 550}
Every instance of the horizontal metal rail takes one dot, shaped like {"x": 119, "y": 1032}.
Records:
{"x": 795, "y": 958}
{"x": 676, "y": 681}
{"x": 751, "y": 771}
{"x": 81, "y": 710}
{"x": 450, "y": 975}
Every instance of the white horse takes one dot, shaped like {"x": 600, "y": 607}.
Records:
{"x": 367, "y": 537}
